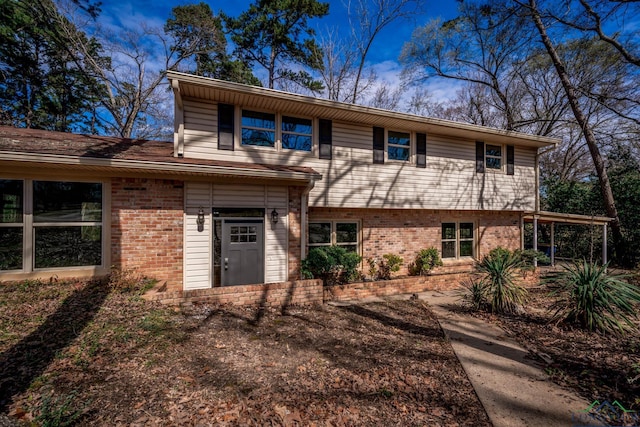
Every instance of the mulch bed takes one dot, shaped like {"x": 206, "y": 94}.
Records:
{"x": 597, "y": 366}
{"x": 110, "y": 358}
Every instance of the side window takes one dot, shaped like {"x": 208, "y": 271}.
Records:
{"x": 258, "y": 129}
{"x": 296, "y": 133}
{"x": 11, "y": 224}
{"x": 493, "y": 156}
{"x": 340, "y": 233}
{"x": 398, "y": 145}
{"x": 458, "y": 240}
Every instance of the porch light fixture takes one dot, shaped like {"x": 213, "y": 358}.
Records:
{"x": 274, "y": 216}
{"x": 200, "y": 219}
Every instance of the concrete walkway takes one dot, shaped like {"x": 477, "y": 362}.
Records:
{"x": 511, "y": 386}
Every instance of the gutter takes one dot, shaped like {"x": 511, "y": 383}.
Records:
{"x": 161, "y": 167}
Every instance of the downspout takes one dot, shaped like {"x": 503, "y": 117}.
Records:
{"x": 304, "y": 205}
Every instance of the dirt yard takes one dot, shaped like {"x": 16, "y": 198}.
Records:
{"x": 93, "y": 355}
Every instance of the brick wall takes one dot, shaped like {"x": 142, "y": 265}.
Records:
{"x": 274, "y": 295}
{"x": 147, "y": 227}
{"x": 295, "y": 220}
{"x": 405, "y": 232}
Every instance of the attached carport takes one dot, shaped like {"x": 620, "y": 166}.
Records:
{"x": 552, "y": 218}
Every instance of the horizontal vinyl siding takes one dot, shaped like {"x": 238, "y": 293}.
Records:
{"x": 197, "y": 252}
{"x": 350, "y": 179}
{"x": 200, "y": 129}
{"x": 198, "y": 194}
{"x": 276, "y": 235}
{"x": 238, "y": 196}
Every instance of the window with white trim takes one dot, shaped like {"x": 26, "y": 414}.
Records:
{"x": 60, "y": 222}
{"x": 340, "y": 233}
{"x": 258, "y": 128}
{"x": 458, "y": 239}
{"x": 398, "y": 145}
{"x": 493, "y": 157}
{"x": 297, "y": 133}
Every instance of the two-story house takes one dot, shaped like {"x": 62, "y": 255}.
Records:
{"x": 254, "y": 178}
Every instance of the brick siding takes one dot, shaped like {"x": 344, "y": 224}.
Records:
{"x": 405, "y": 232}
{"x": 147, "y": 228}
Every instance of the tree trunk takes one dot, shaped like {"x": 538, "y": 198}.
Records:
{"x": 589, "y": 136}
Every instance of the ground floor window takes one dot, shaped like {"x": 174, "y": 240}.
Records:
{"x": 457, "y": 239}
{"x": 50, "y": 224}
{"x": 340, "y": 233}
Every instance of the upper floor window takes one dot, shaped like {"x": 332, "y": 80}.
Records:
{"x": 457, "y": 239}
{"x": 258, "y": 128}
{"x": 398, "y": 145}
{"x": 296, "y": 133}
{"x": 493, "y": 156}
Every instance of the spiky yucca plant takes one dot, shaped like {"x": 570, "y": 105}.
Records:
{"x": 589, "y": 296}
{"x": 501, "y": 290}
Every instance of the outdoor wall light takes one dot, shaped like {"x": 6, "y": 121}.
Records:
{"x": 274, "y": 216}
{"x": 200, "y": 219}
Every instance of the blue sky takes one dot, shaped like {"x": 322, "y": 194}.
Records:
{"x": 132, "y": 13}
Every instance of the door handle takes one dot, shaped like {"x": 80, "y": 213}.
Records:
{"x": 226, "y": 263}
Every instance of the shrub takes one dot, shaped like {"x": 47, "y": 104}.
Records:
{"x": 499, "y": 269}
{"x": 425, "y": 261}
{"x": 333, "y": 264}
{"x": 474, "y": 294}
{"x": 389, "y": 264}
{"x": 527, "y": 256}
{"x": 589, "y": 296}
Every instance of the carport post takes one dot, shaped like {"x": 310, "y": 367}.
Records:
{"x": 535, "y": 240}
{"x": 552, "y": 254}
{"x": 604, "y": 243}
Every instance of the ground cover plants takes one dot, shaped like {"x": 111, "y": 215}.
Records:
{"x": 97, "y": 354}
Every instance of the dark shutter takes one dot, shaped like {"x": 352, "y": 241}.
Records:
{"x": 421, "y": 150}
{"x": 378, "y": 145}
{"x": 325, "y": 139}
{"x": 225, "y": 126}
{"x": 510, "y": 160}
{"x": 479, "y": 157}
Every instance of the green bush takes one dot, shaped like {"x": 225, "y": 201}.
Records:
{"x": 333, "y": 264}
{"x": 389, "y": 264}
{"x": 527, "y": 256}
{"x": 499, "y": 270}
{"x": 425, "y": 261}
{"x": 589, "y": 296}
{"x": 474, "y": 294}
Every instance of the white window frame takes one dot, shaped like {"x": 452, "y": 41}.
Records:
{"x": 501, "y": 157}
{"x": 283, "y": 132}
{"x": 277, "y": 131}
{"x": 333, "y": 234}
{"x": 409, "y": 148}
{"x": 458, "y": 240}
{"x": 28, "y": 226}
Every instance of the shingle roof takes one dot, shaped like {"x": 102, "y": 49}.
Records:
{"x": 33, "y": 142}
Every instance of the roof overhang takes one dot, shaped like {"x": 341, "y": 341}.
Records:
{"x": 556, "y": 217}
{"x": 164, "y": 169}
{"x": 204, "y": 88}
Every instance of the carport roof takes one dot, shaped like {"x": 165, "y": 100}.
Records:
{"x": 556, "y": 217}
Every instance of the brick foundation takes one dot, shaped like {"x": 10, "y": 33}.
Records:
{"x": 147, "y": 228}
{"x": 275, "y": 295}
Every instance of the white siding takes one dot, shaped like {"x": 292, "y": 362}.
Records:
{"x": 197, "y": 251}
{"x": 276, "y": 235}
{"x": 198, "y": 245}
{"x": 200, "y": 129}
{"x": 350, "y": 179}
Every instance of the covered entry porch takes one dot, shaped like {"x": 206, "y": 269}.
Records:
{"x": 553, "y": 218}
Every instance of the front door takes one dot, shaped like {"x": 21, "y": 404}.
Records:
{"x": 242, "y": 252}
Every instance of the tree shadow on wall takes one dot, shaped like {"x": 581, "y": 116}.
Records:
{"x": 29, "y": 358}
